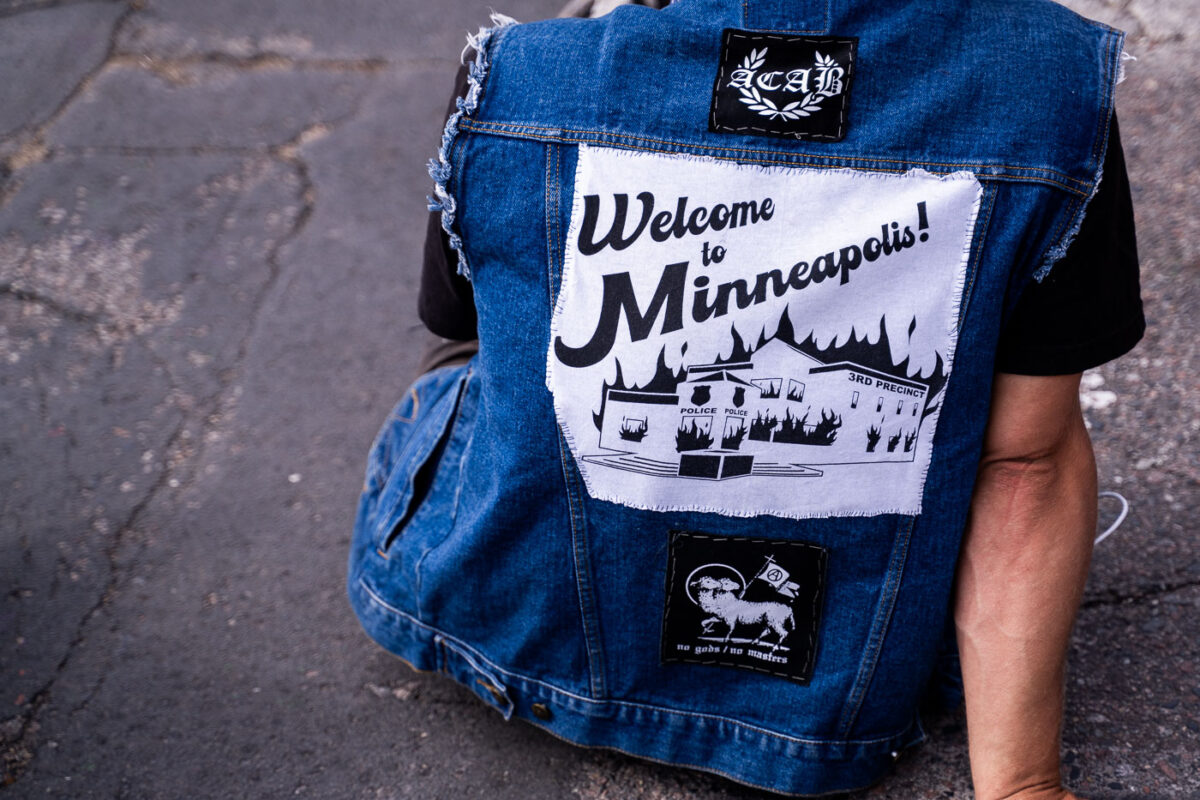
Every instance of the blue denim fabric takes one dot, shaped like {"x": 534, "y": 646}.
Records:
{"x": 478, "y": 551}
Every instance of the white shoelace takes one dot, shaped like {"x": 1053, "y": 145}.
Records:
{"x": 1120, "y": 517}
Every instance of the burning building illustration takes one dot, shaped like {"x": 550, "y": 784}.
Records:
{"x": 785, "y": 408}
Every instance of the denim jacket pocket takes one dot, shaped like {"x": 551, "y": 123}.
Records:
{"x": 408, "y": 450}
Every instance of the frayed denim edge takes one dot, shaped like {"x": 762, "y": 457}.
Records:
{"x": 440, "y": 168}
{"x": 1055, "y": 253}
{"x": 1125, "y": 56}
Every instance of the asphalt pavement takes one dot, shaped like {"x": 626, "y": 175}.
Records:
{"x": 211, "y": 215}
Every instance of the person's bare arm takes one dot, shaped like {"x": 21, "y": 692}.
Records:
{"x": 1020, "y": 578}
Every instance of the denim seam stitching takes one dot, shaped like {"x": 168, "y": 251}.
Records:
{"x": 976, "y": 256}
{"x": 462, "y": 458}
{"x": 879, "y": 628}
{"x": 416, "y": 401}
{"x": 376, "y": 479}
{"x": 451, "y": 423}
{"x": 549, "y": 231}
{"x": 804, "y": 31}
{"x": 1073, "y": 221}
{"x": 482, "y": 123}
{"x": 1060, "y": 229}
{"x": 583, "y": 584}
{"x": 1115, "y": 41}
{"x": 558, "y": 235}
{"x": 784, "y": 159}
{"x": 458, "y": 645}
{"x": 741, "y": 781}
{"x": 421, "y": 438}
{"x": 746, "y": 21}
{"x": 572, "y": 136}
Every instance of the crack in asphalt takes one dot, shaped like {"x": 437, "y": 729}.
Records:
{"x": 205, "y": 412}
{"x": 112, "y": 549}
{"x": 1147, "y": 32}
{"x": 21, "y": 748}
{"x": 49, "y": 303}
{"x": 34, "y": 149}
{"x": 182, "y": 151}
{"x": 202, "y": 411}
{"x": 24, "y": 739}
{"x": 9, "y": 186}
{"x": 1138, "y": 594}
{"x": 168, "y": 66}
{"x": 286, "y": 153}
{"x": 1143, "y": 30}
{"x": 42, "y": 5}
{"x": 214, "y": 408}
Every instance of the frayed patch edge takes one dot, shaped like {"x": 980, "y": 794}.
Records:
{"x": 582, "y": 173}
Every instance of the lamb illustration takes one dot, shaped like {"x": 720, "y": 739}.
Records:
{"x": 717, "y": 596}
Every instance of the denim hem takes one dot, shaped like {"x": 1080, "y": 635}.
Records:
{"x": 736, "y": 750}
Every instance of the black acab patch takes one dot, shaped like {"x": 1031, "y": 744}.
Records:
{"x": 777, "y": 85}
{"x": 741, "y": 602}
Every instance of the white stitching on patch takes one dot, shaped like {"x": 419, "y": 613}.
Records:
{"x": 721, "y": 75}
{"x": 814, "y": 607}
{"x": 723, "y": 362}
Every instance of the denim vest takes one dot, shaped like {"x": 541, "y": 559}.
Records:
{"x": 739, "y": 270}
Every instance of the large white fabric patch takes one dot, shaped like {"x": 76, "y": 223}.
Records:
{"x": 749, "y": 340}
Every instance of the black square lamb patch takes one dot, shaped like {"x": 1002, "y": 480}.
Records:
{"x": 743, "y": 602}
{"x": 777, "y": 85}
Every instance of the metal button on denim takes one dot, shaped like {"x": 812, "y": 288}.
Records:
{"x": 541, "y": 711}
{"x": 495, "y": 692}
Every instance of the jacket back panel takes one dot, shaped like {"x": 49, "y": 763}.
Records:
{"x": 521, "y": 576}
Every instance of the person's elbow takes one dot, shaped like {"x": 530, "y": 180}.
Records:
{"x": 1037, "y": 461}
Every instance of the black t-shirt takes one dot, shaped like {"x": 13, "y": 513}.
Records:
{"x": 1086, "y": 312}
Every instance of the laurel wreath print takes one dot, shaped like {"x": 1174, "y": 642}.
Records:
{"x": 811, "y": 102}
